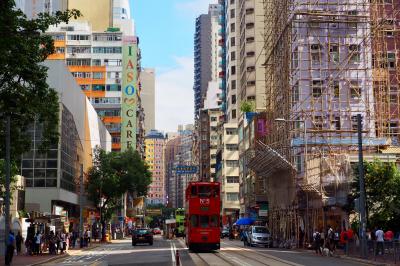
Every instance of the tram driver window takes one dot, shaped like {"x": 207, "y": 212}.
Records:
{"x": 193, "y": 191}
{"x": 203, "y": 221}
{"x": 204, "y": 191}
{"x": 193, "y": 220}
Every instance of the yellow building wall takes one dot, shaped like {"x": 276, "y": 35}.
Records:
{"x": 97, "y": 12}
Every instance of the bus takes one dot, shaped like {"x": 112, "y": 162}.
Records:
{"x": 180, "y": 221}
{"x": 202, "y": 216}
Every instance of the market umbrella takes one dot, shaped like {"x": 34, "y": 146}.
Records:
{"x": 244, "y": 221}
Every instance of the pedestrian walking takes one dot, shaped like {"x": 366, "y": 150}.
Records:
{"x": 379, "y": 241}
{"x": 18, "y": 241}
{"x": 317, "y": 242}
{"x": 10, "y": 248}
{"x": 38, "y": 241}
{"x": 330, "y": 240}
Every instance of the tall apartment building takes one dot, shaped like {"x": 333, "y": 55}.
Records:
{"x": 178, "y": 152}
{"x": 155, "y": 142}
{"x": 147, "y": 77}
{"x": 231, "y": 43}
{"x": 202, "y": 60}
{"x": 250, "y": 81}
{"x": 95, "y": 60}
{"x": 170, "y": 152}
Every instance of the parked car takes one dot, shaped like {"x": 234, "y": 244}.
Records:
{"x": 225, "y": 232}
{"x": 259, "y": 236}
{"x": 156, "y": 231}
{"x": 142, "y": 235}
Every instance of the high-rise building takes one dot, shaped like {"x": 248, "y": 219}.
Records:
{"x": 178, "y": 152}
{"x": 147, "y": 78}
{"x": 155, "y": 142}
{"x": 202, "y": 60}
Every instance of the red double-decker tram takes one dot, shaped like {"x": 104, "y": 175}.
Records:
{"x": 203, "y": 215}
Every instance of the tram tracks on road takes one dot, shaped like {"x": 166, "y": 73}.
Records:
{"x": 247, "y": 251}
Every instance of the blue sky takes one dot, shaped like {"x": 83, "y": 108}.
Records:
{"x": 165, "y": 29}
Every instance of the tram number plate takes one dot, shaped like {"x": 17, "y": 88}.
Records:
{"x": 204, "y": 208}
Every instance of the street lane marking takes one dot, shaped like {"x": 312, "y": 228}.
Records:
{"x": 172, "y": 253}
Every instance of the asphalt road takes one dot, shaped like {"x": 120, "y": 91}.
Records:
{"x": 163, "y": 252}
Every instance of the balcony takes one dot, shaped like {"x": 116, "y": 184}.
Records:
{"x": 221, "y": 32}
{"x": 221, "y": 74}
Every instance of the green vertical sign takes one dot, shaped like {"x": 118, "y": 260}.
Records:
{"x": 129, "y": 92}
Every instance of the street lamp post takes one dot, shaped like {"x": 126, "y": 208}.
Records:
{"x": 305, "y": 164}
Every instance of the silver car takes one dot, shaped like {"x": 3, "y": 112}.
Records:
{"x": 259, "y": 236}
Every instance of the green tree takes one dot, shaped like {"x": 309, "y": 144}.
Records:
{"x": 382, "y": 186}
{"x": 24, "y": 94}
{"x": 114, "y": 174}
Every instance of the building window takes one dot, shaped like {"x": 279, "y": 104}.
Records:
{"x": 316, "y": 88}
{"x": 76, "y": 37}
{"x": 393, "y": 98}
{"x": 295, "y": 58}
{"x": 232, "y": 163}
{"x": 249, "y": 39}
{"x": 391, "y": 58}
{"x": 315, "y": 53}
{"x": 355, "y": 89}
{"x": 354, "y": 51}
{"x": 296, "y": 93}
{"x": 231, "y": 147}
{"x": 336, "y": 123}
{"x": 318, "y": 122}
{"x": 232, "y": 179}
{"x": 232, "y": 196}
{"x": 234, "y": 114}
{"x": 231, "y": 131}
{"x": 233, "y": 99}
{"x": 334, "y": 52}
{"x": 354, "y": 122}
{"x": 249, "y": 11}
{"x": 250, "y": 54}
{"x": 233, "y": 84}
{"x": 233, "y": 70}
{"x": 233, "y": 27}
{"x": 98, "y": 75}
{"x": 233, "y": 41}
{"x": 233, "y": 56}
{"x": 336, "y": 89}
{"x": 249, "y": 25}
{"x": 232, "y": 13}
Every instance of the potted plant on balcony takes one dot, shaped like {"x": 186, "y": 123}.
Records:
{"x": 248, "y": 107}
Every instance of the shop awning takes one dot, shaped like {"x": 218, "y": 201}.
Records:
{"x": 265, "y": 161}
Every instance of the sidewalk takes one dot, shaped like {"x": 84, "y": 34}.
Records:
{"x": 25, "y": 260}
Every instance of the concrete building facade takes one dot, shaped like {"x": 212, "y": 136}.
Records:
{"x": 52, "y": 178}
{"x": 147, "y": 78}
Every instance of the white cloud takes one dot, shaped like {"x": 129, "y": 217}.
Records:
{"x": 194, "y": 8}
{"x": 174, "y": 95}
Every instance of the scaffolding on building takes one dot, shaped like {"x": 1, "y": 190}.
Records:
{"x": 326, "y": 62}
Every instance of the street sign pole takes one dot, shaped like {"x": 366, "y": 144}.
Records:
{"x": 363, "y": 216}
{"x": 7, "y": 183}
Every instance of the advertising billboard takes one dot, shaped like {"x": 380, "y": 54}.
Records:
{"x": 129, "y": 92}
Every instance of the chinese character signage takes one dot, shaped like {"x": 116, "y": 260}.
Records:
{"x": 186, "y": 169}
{"x": 129, "y": 92}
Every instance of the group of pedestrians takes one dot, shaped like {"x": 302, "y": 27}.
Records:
{"x": 325, "y": 243}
